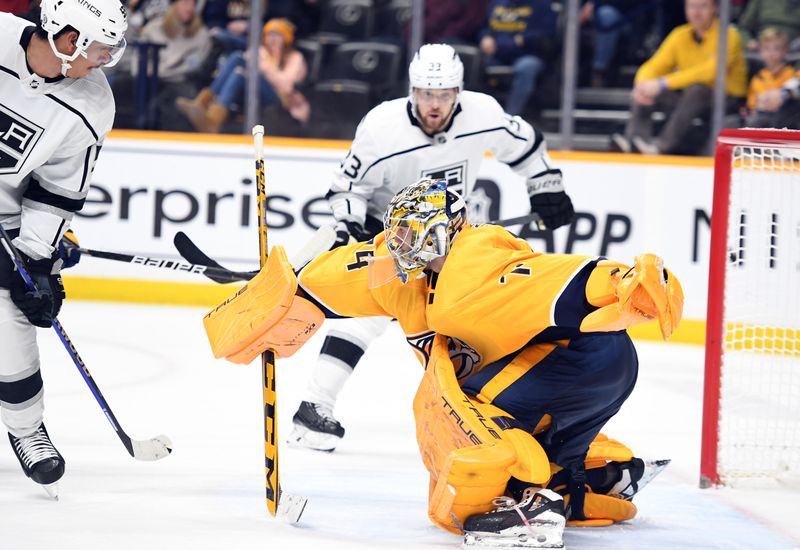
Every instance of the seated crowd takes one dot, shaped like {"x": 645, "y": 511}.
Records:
{"x": 188, "y": 67}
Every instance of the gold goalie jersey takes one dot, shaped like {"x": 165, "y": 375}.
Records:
{"x": 493, "y": 296}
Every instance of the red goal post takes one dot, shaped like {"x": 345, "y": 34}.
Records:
{"x": 751, "y": 401}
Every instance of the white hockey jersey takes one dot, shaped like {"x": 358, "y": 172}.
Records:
{"x": 390, "y": 151}
{"x": 51, "y": 131}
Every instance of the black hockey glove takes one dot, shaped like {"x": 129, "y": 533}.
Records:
{"x": 549, "y": 200}
{"x": 42, "y": 305}
{"x": 69, "y": 249}
{"x": 345, "y": 230}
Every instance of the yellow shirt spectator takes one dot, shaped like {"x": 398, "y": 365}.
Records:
{"x": 682, "y": 60}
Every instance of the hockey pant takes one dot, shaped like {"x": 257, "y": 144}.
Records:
{"x": 21, "y": 389}
{"x": 580, "y": 385}
{"x": 344, "y": 346}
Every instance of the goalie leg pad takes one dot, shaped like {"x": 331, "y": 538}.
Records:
{"x": 469, "y": 458}
{"x": 263, "y": 314}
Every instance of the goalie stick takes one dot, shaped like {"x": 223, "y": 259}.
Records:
{"x": 281, "y": 505}
{"x": 145, "y": 449}
{"x": 217, "y": 274}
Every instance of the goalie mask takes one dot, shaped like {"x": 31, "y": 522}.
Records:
{"x": 420, "y": 224}
{"x": 100, "y": 24}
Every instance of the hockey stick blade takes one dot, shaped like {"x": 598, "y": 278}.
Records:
{"x": 147, "y": 450}
{"x": 291, "y": 507}
{"x": 192, "y": 254}
{"x": 151, "y": 449}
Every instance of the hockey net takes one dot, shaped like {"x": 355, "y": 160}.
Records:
{"x": 751, "y": 410}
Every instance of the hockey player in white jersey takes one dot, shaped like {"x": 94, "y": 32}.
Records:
{"x": 439, "y": 131}
{"x": 55, "y": 110}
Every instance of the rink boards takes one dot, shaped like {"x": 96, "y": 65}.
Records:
{"x": 148, "y": 186}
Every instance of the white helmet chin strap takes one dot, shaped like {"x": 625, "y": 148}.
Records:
{"x": 65, "y": 59}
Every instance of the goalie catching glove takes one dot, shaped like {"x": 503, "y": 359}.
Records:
{"x": 629, "y": 296}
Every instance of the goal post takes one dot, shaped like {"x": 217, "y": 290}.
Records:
{"x": 751, "y": 396}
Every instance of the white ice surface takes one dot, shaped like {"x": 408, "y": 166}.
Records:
{"x": 156, "y": 371}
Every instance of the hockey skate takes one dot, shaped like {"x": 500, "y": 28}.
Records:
{"x": 315, "y": 428}
{"x": 635, "y": 474}
{"x": 39, "y": 459}
{"x": 536, "y": 522}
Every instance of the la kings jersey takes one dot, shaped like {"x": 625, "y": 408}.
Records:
{"x": 390, "y": 151}
{"x": 51, "y": 131}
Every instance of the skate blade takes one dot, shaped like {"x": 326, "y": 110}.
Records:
{"x": 303, "y": 438}
{"x": 651, "y": 469}
{"x": 52, "y": 490}
{"x": 627, "y": 490}
{"x": 539, "y": 535}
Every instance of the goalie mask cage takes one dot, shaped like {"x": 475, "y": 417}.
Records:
{"x": 751, "y": 402}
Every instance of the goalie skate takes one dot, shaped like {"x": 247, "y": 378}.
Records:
{"x": 315, "y": 428}
{"x": 536, "y": 522}
{"x": 39, "y": 458}
{"x": 635, "y": 475}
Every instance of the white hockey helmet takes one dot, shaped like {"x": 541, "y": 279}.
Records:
{"x": 100, "y": 24}
{"x": 420, "y": 224}
{"x": 436, "y": 66}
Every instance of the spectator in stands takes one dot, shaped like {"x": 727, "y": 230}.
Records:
{"x": 187, "y": 40}
{"x": 453, "y": 21}
{"x": 281, "y": 68}
{"x": 229, "y": 21}
{"x": 780, "y": 14}
{"x": 141, "y": 12}
{"x": 610, "y": 18}
{"x": 520, "y": 33}
{"x": 763, "y": 111}
{"x": 185, "y": 61}
{"x": 679, "y": 79}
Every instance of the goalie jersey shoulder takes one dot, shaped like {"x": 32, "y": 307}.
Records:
{"x": 505, "y": 293}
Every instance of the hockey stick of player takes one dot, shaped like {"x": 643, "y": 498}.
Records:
{"x": 526, "y": 219}
{"x": 289, "y": 507}
{"x": 320, "y": 242}
{"x": 147, "y": 449}
{"x": 192, "y": 253}
{"x": 217, "y": 274}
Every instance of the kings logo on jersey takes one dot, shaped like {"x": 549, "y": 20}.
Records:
{"x": 18, "y": 136}
{"x": 455, "y": 175}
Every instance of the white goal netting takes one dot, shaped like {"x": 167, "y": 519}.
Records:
{"x": 759, "y": 418}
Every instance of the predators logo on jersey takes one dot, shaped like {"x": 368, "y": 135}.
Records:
{"x": 464, "y": 357}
